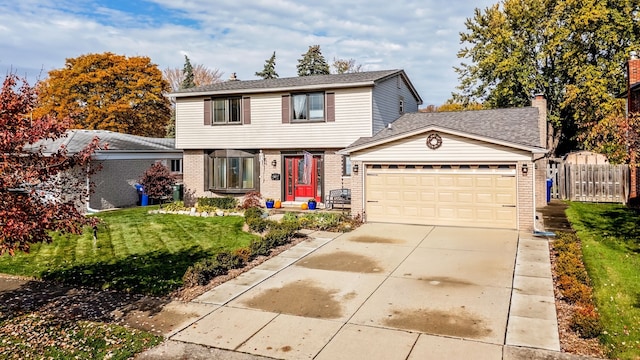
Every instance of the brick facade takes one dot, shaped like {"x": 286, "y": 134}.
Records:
{"x": 525, "y": 196}
{"x": 357, "y": 196}
{"x": 193, "y": 168}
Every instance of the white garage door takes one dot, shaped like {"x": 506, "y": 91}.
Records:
{"x": 478, "y": 196}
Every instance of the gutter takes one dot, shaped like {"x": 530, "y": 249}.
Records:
{"x": 536, "y": 231}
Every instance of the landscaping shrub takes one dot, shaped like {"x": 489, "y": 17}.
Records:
{"x": 251, "y": 199}
{"x": 253, "y": 212}
{"x": 573, "y": 291}
{"x": 202, "y": 272}
{"x": 175, "y": 206}
{"x": 243, "y": 253}
{"x": 571, "y": 265}
{"x": 227, "y": 202}
{"x": 229, "y": 260}
{"x": 586, "y": 321}
{"x": 259, "y": 247}
{"x": 278, "y": 237}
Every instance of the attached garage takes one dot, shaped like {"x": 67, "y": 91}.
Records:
{"x": 471, "y": 169}
{"x": 468, "y": 195}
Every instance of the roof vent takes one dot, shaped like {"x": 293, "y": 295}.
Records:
{"x": 634, "y": 55}
{"x": 389, "y": 126}
{"x": 233, "y": 77}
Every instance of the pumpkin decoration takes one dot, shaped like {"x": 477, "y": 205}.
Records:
{"x": 304, "y": 206}
{"x": 278, "y": 204}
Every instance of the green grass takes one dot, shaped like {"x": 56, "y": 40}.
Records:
{"x": 610, "y": 236}
{"x": 135, "y": 251}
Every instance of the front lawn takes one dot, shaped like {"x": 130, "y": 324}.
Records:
{"x": 610, "y": 236}
{"x": 135, "y": 251}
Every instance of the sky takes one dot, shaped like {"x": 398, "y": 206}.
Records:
{"x": 238, "y": 36}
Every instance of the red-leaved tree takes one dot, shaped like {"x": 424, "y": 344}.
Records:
{"x": 157, "y": 181}
{"x": 39, "y": 193}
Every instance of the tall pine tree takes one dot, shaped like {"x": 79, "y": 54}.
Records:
{"x": 313, "y": 63}
{"x": 189, "y": 79}
{"x": 269, "y": 71}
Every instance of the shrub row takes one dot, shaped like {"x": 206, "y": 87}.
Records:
{"x": 227, "y": 202}
{"x": 573, "y": 282}
{"x": 277, "y": 234}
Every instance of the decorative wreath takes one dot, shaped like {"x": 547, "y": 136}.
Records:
{"x": 434, "y": 141}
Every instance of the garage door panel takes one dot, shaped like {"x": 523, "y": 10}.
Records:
{"x": 442, "y": 197}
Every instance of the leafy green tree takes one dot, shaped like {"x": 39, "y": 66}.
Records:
{"x": 571, "y": 51}
{"x": 108, "y": 92}
{"x": 313, "y": 63}
{"x": 189, "y": 79}
{"x": 269, "y": 71}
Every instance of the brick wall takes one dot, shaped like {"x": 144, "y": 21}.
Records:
{"x": 525, "y": 196}
{"x": 541, "y": 183}
{"x": 333, "y": 169}
{"x": 272, "y": 188}
{"x": 193, "y": 178}
{"x": 356, "y": 191}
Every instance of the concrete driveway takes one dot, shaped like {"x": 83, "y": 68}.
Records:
{"x": 387, "y": 291}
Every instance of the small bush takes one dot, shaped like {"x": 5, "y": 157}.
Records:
{"x": 227, "y": 202}
{"x": 202, "y": 272}
{"x": 243, "y": 253}
{"x": 207, "y": 208}
{"x": 253, "y": 212}
{"x": 229, "y": 261}
{"x": 257, "y": 225}
{"x": 259, "y": 247}
{"x": 586, "y": 322}
{"x": 573, "y": 291}
{"x": 571, "y": 265}
{"x": 175, "y": 206}
{"x": 251, "y": 199}
{"x": 278, "y": 237}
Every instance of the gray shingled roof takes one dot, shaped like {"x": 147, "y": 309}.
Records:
{"x": 76, "y": 140}
{"x": 516, "y": 125}
{"x": 299, "y": 81}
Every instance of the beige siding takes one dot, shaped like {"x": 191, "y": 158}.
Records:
{"x": 454, "y": 149}
{"x": 266, "y": 131}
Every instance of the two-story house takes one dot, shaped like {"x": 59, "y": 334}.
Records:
{"x": 295, "y": 139}
{"x": 280, "y": 137}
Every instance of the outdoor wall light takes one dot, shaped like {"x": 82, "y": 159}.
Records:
{"x": 525, "y": 169}
{"x": 274, "y": 162}
{"x": 355, "y": 168}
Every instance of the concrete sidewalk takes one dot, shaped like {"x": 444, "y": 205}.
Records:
{"x": 383, "y": 291}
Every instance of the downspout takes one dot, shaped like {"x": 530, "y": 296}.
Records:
{"x": 88, "y": 202}
{"x": 536, "y": 231}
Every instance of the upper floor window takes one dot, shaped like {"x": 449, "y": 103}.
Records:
{"x": 227, "y": 111}
{"x": 308, "y": 107}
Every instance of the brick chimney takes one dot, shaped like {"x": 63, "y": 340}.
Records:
{"x": 540, "y": 102}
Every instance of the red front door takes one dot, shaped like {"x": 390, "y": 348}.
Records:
{"x": 301, "y": 181}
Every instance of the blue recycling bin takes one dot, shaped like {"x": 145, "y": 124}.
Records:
{"x": 145, "y": 200}
{"x": 549, "y": 185}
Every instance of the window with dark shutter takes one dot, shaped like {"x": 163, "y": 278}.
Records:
{"x": 246, "y": 110}
{"x": 285, "y": 109}
{"x": 207, "y": 111}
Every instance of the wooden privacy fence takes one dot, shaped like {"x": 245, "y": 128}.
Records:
{"x": 589, "y": 182}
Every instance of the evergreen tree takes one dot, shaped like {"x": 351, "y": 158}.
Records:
{"x": 269, "y": 71}
{"x": 189, "y": 80}
{"x": 313, "y": 63}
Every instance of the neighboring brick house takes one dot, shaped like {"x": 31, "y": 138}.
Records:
{"x": 280, "y": 137}
{"x": 123, "y": 163}
{"x": 633, "y": 109}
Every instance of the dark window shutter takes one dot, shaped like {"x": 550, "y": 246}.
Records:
{"x": 246, "y": 110}
{"x": 207, "y": 111}
{"x": 331, "y": 107}
{"x": 285, "y": 109}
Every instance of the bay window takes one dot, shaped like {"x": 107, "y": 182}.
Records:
{"x": 232, "y": 171}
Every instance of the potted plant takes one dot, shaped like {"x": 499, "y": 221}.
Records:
{"x": 269, "y": 203}
{"x": 311, "y": 204}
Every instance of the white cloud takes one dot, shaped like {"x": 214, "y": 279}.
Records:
{"x": 235, "y": 36}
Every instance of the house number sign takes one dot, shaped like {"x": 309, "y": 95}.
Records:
{"x": 434, "y": 141}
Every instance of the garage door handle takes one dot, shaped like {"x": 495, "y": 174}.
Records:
{"x": 508, "y": 206}
{"x": 372, "y": 201}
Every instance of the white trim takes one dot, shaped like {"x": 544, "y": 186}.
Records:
{"x": 129, "y": 155}
{"x": 400, "y": 136}
{"x": 230, "y": 92}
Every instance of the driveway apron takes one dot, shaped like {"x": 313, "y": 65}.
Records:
{"x": 384, "y": 291}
